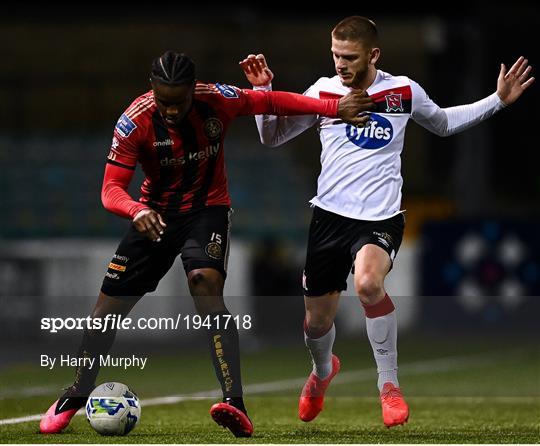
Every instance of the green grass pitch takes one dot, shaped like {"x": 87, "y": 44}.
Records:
{"x": 460, "y": 390}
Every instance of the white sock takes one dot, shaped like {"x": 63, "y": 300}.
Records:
{"x": 382, "y": 334}
{"x": 320, "y": 350}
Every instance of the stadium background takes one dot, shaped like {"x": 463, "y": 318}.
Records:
{"x": 469, "y": 262}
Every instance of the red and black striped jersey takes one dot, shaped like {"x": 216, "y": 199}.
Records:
{"x": 184, "y": 166}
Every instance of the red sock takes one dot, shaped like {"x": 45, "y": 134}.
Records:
{"x": 382, "y": 308}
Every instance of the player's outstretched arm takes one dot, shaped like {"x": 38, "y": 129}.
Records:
{"x": 284, "y": 103}
{"x": 347, "y": 108}
{"x": 512, "y": 83}
{"x": 259, "y": 75}
{"x": 451, "y": 120}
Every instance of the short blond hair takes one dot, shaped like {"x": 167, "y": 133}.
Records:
{"x": 357, "y": 28}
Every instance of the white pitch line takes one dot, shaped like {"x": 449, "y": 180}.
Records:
{"x": 414, "y": 368}
{"x": 21, "y": 419}
{"x": 28, "y": 391}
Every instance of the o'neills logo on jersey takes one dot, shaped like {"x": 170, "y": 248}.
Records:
{"x": 201, "y": 155}
{"x": 375, "y": 135}
{"x": 167, "y": 143}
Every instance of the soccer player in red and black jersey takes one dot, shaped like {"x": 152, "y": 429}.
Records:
{"x": 176, "y": 132}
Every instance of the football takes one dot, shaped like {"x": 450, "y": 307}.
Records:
{"x": 113, "y": 409}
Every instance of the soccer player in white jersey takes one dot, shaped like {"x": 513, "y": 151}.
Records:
{"x": 357, "y": 221}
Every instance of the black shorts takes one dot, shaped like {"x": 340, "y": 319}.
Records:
{"x": 333, "y": 243}
{"x": 201, "y": 237}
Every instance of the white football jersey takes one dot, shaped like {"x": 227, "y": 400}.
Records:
{"x": 361, "y": 167}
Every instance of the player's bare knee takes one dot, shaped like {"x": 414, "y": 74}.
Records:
{"x": 204, "y": 282}
{"x": 317, "y": 325}
{"x": 369, "y": 288}
{"x": 198, "y": 278}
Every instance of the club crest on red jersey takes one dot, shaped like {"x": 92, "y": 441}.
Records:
{"x": 213, "y": 128}
{"x": 393, "y": 102}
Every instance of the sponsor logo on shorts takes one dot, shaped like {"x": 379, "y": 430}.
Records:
{"x": 114, "y": 276}
{"x": 117, "y": 267}
{"x": 304, "y": 281}
{"x": 213, "y": 250}
{"x": 124, "y": 259}
{"x": 125, "y": 126}
{"x": 213, "y": 128}
{"x": 115, "y": 143}
{"x": 384, "y": 238}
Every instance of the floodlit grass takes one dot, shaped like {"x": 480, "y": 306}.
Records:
{"x": 485, "y": 391}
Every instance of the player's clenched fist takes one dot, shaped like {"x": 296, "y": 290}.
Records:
{"x": 352, "y": 105}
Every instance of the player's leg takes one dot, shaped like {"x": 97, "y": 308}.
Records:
{"x": 371, "y": 266}
{"x": 135, "y": 269}
{"x": 327, "y": 265}
{"x": 319, "y": 336}
{"x": 98, "y": 342}
{"x": 320, "y": 332}
{"x": 94, "y": 344}
{"x": 206, "y": 286}
{"x": 205, "y": 256}
{"x": 373, "y": 261}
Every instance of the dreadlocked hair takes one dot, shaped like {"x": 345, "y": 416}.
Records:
{"x": 173, "y": 68}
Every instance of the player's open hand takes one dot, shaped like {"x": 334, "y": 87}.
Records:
{"x": 149, "y": 222}
{"x": 256, "y": 70}
{"x": 511, "y": 84}
{"x": 352, "y": 105}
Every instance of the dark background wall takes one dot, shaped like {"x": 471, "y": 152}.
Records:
{"x": 66, "y": 77}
